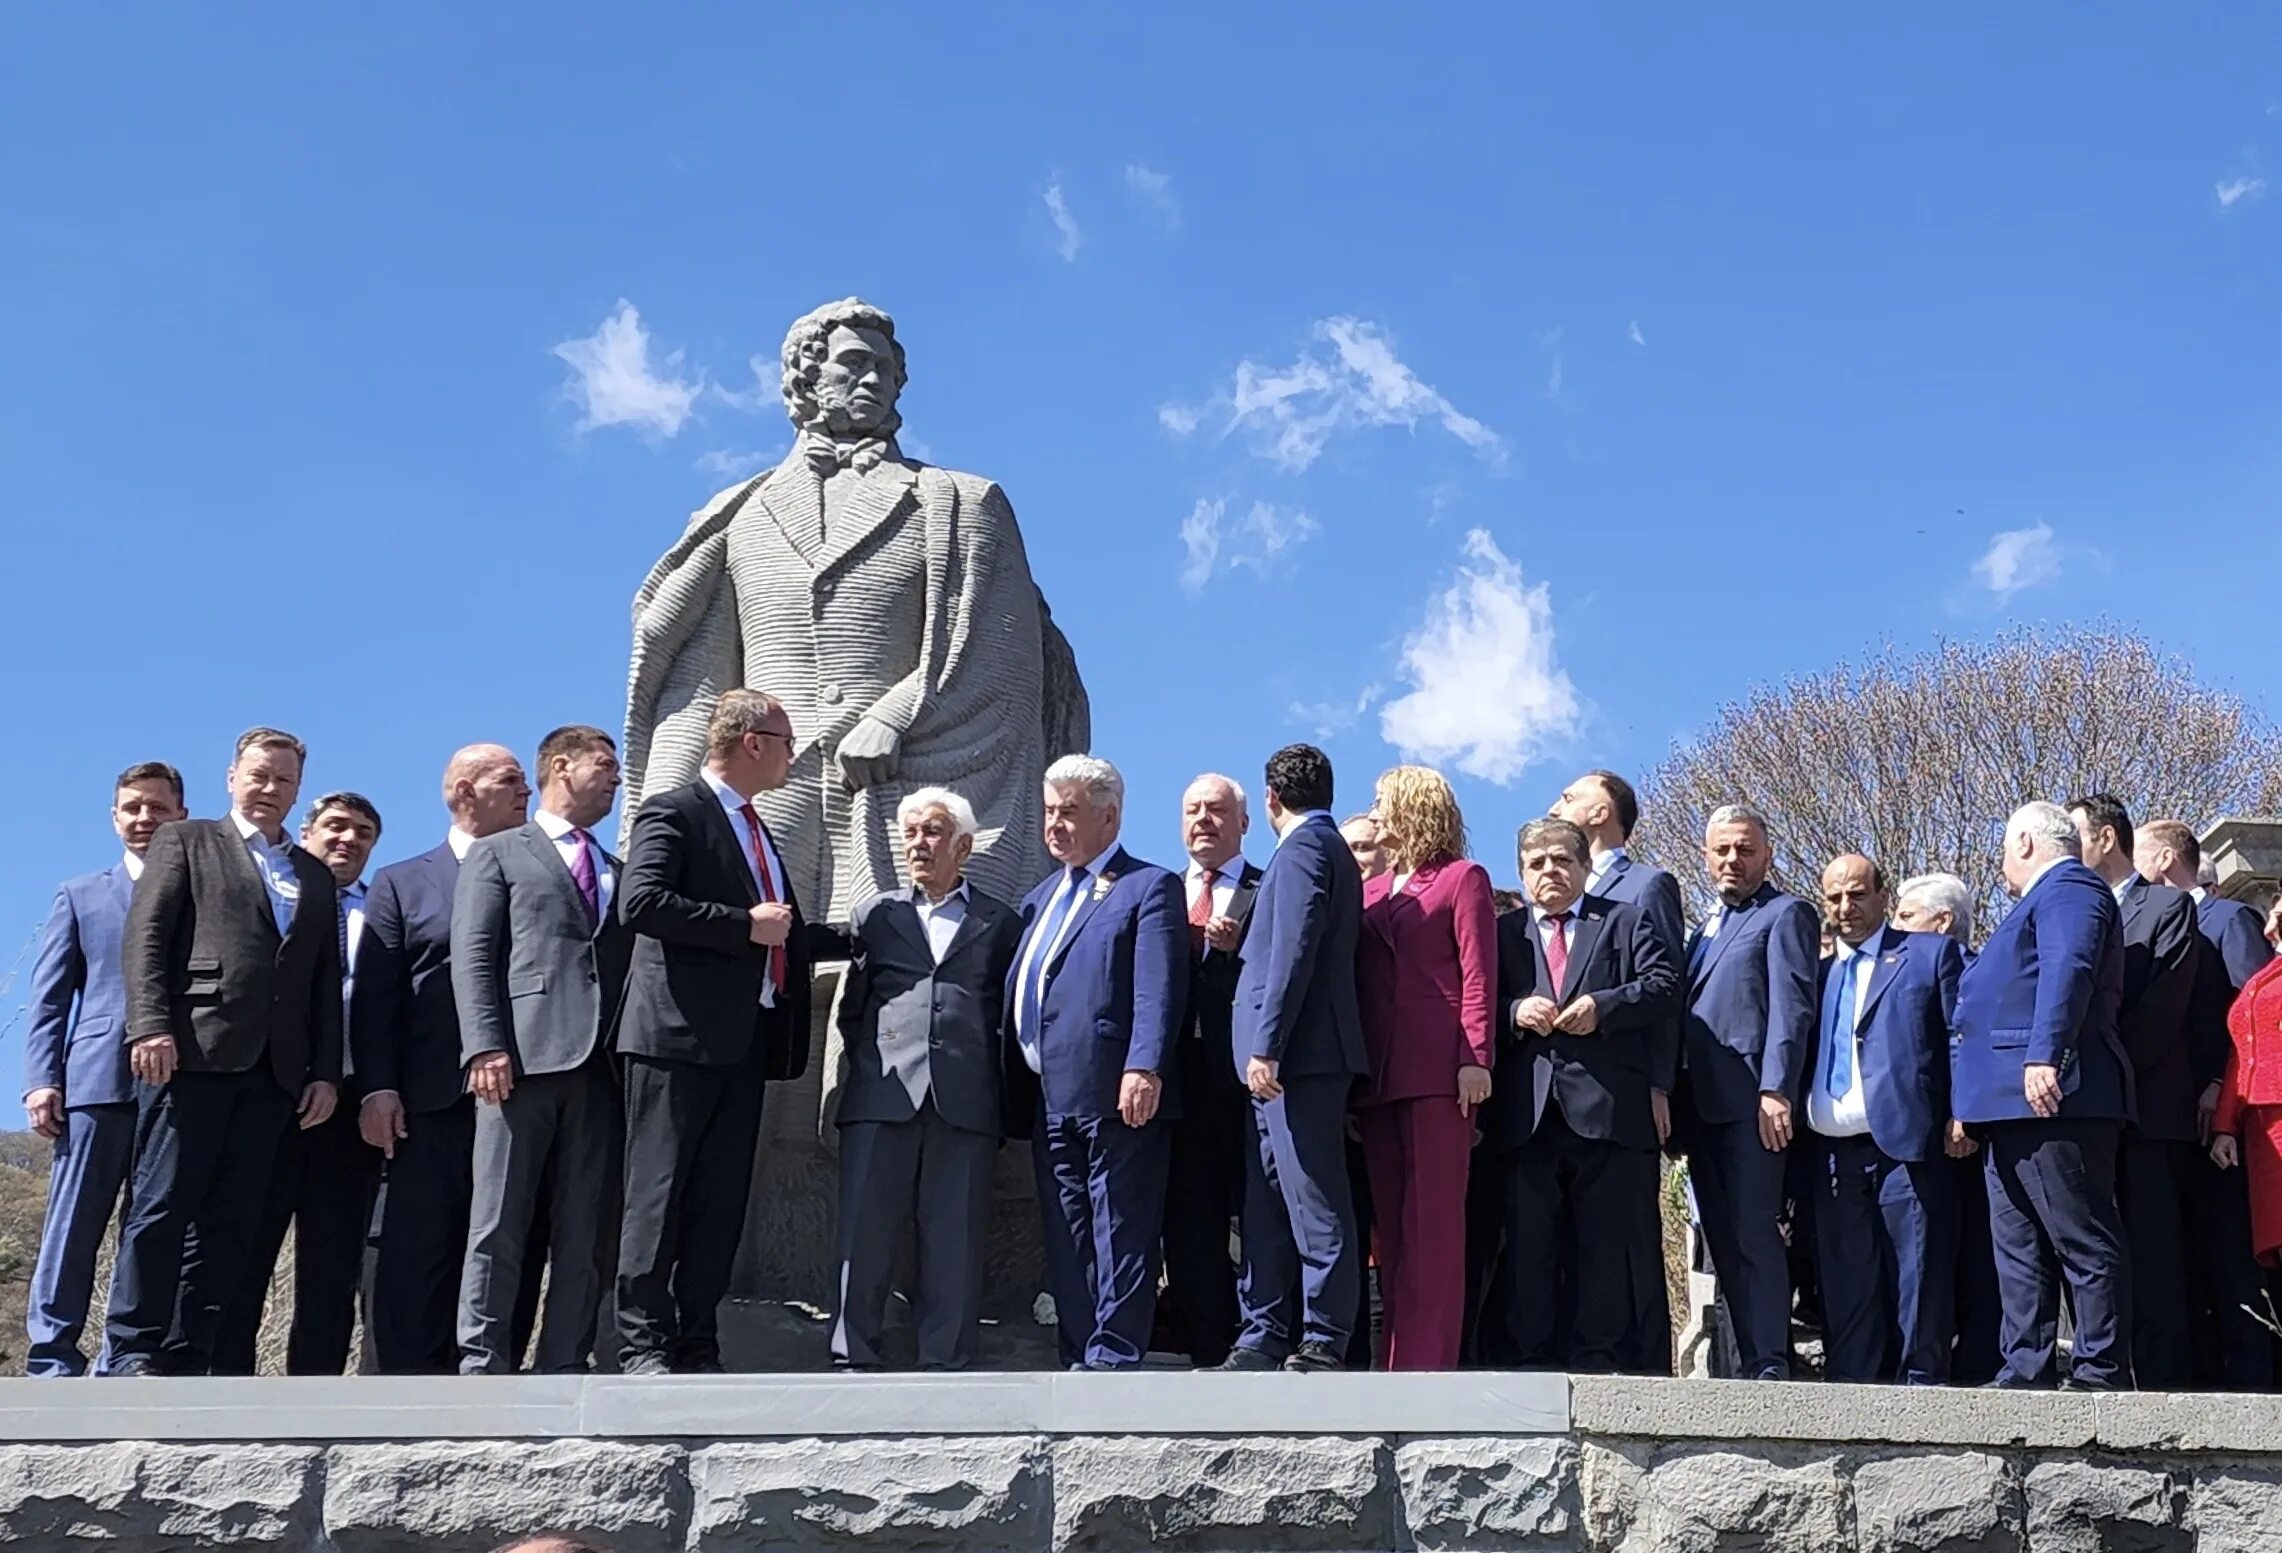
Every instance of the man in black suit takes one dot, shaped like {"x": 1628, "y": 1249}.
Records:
{"x": 1204, "y": 1189}
{"x": 1584, "y": 986}
{"x": 322, "y": 1184}
{"x": 404, "y": 1034}
{"x": 2155, "y": 1171}
{"x": 233, "y": 971}
{"x": 921, "y": 1113}
{"x": 717, "y": 1005}
{"x": 538, "y": 960}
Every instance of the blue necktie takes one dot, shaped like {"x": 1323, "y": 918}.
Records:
{"x": 1838, "y": 1028}
{"x": 1049, "y": 929}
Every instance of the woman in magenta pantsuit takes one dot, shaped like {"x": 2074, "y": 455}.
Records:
{"x": 1426, "y": 971}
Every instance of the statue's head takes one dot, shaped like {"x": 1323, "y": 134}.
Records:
{"x": 843, "y": 371}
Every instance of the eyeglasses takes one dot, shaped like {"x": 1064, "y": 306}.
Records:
{"x": 771, "y": 733}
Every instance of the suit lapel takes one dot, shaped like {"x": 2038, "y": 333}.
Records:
{"x": 975, "y": 925}
{"x": 1247, "y": 891}
{"x": 904, "y": 913}
{"x": 1730, "y": 924}
{"x": 239, "y": 856}
{"x": 1591, "y": 923}
{"x": 793, "y": 500}
{"x": 724, "y": 832}
{"x": 1097, "y": 889}
{"x": 542, "y": 847}
{"x": 877, "y": 497}
{"x": 1889, "y": 965}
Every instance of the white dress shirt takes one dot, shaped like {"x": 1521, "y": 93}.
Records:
{"x": 1040, "y": 956}
{"x": 459, "y": 841}
{"x": 352, "y": 903}
{"x": 1602, "y": 863}
{"x": 559, "y": 831}
{"x": 276, "y": 869}
{"x": 1848, "y": 1116}
{"x": 941, "y": 918}
{"x": 1224, "y": 881}
{"x": 134, "y": 862}
{"x": 734, "y": 803}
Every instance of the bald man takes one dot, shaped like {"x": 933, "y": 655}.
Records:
{"x": 404, "y": 1032}
{"x": 1879, "y": 1135}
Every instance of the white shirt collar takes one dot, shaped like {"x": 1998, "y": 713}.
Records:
{"x": 352, "y": 894}
{"x": 1093, "y": 867}
{"x": 1846, "y": 951}
{"x": 553, "y": 824}
{"x": 2048, "y": 866}
{"x": 1300, "y": 819}
{"x": 2198, "y": 894}
{"x": 958, "y": 893}
{"x": 134, "y": 865}
{"x": 249, "y": 831}
{"x": 1540, "y": 916}
{"x": 459, "y": 841}
{"x": 1226, "y": 873}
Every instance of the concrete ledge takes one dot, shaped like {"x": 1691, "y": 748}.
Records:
{"x": 701, "y": 1407}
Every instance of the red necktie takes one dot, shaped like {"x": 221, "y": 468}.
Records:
{"x": 768, "y": 892}
{"x": 1557, "y": 951}
{"x": 1200, "y": 911}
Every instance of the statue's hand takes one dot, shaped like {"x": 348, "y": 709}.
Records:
{"x": 869, "y": 754}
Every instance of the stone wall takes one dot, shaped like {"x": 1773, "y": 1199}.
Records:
{"x": 1642, "y": 1467}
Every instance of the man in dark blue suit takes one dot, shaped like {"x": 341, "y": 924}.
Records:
{"x": 1878, "y": 1130}
{"x": 1094, "y": 1010}
{"x": 2037, "y": 1067}
{"x": 1749, "y": 1036}
{"x": 2155, "y": 1170}
{"x": 1296, "y": 1042}
{"x": 77, "y": 1089}
{"x": 1584, "y": 984}
{"x": 2226, "y": 1286}
{"x": 404, "y": 1034}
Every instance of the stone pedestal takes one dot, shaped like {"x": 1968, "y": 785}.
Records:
{"x": 787, "y": 1254}
{"x": 2247, "y": 853}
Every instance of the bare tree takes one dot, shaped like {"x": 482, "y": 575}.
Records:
{"x": 1916, "y": 761}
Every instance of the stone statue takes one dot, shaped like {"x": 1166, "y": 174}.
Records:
{"x": 889, "y": 605}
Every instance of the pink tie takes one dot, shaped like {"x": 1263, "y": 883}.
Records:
{"x": 582, "y": 875}
{"x": 768, "y": 890}
{"x": 1557, "y": 951}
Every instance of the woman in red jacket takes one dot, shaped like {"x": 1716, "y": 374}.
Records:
{"x": 2248, "y": 1125}
{"x": 1426, "y": 972}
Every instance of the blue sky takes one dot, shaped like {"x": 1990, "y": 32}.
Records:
{"x": 1511, "y": 387}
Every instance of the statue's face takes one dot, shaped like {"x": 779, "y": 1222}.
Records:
{"x": 856, "y": 387}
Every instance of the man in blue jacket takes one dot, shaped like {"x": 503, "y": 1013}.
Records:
{"x": 1094, "y": 1007}
{"x": 2038, "y": 1069}
{"x": 1878, "y": 1119}
{"x": 77, "y": 1089}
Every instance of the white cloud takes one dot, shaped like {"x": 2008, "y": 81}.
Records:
{"x": 1290, "y": 414}
{"x": 1632, "y": 333}
{"x": 1485, "y": 692}
{"x": 1327, "y": 720}
{"x": 615, "y": 383}
{"x": 1256, "y": 541}
{"x": 731, "y": 464}
{"x": 2016, "y": 559}
{"x": 1154, "y": 189}
{"x": 2232, "y": 190}
{"x": 1069, "y": 238}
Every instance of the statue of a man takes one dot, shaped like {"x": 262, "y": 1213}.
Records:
{"x": 889, "y": 605}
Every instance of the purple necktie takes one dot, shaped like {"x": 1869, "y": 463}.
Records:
{"x": 582, "y": 875}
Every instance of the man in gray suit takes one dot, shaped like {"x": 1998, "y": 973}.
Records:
{"x": 538, "y": 959}
{"x": 920, "y": 1116}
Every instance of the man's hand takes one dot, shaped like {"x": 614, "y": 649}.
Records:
{"x": 1222, "y": 934}
{"x": 380, "y": 1121}
{"x": 2206, "y": 1107}
{"x": 772, "y": 923}
{"x": 491, "y": 1077}
{"x": 1473, "y": 1088}
{"x": 1774, "y": 1123}
{"x": 2225, "y": 1152}
{"x": 870, "y": 754}
{"x": 1956, "y": 1144}
{"x": 1660, "y": 1107}
{"x": 44, "y": 1107}
{"x": 1137, "y": 1097}
{"x": 152, "y": 1058}
{"x": 1260, "y": 1078}
{"x": 1582, "y": 1017}
{"x": 2040, "y": 1082}
{"x": 1536, "y": 1015}
{"x": 318, "y": 1098}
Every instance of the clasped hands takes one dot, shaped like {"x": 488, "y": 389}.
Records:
{"x": 1543, "y": 1016}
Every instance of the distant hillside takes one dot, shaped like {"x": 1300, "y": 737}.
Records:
{"x": 25, "y": 1158}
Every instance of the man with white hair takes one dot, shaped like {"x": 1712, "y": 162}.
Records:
{"x": 1936, "y": 903}
{"x": 919, "y": 1115}
{"x": 2038, "y": 1068}
{"x": 1094, "y": 1011}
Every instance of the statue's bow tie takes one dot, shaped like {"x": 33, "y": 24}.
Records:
{"x": 825, "y": 456}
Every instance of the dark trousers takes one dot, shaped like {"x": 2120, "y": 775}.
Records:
{"x": 556, "y": 1141}
{"x": 1303, "y": 1257}
{"x": 2053, "y": 1216}
{"x": 2235, "y": 1351}
{"x": 321, "y": 1186}
{"x": 1485, "y": 1342}
{"x": 895, "y": 1177}
{"x": 1101, "y": 1202}
{"x": 1739, "y": 1190}
{"x": 422, "y": 1243}
{"x": 1597, "y": 1200}
{"x": 1204, "y": 1193}
{"x": 691, "y": 1133}
{"x": 1886, "y": 1252}
{"x": 2152, "y": 1181}
{"x": 92, "y": 1159}
{"x": 204, "y": 1146}
{"x": 1976, "y": 1358}
{"x": 1362, "y": 1343}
